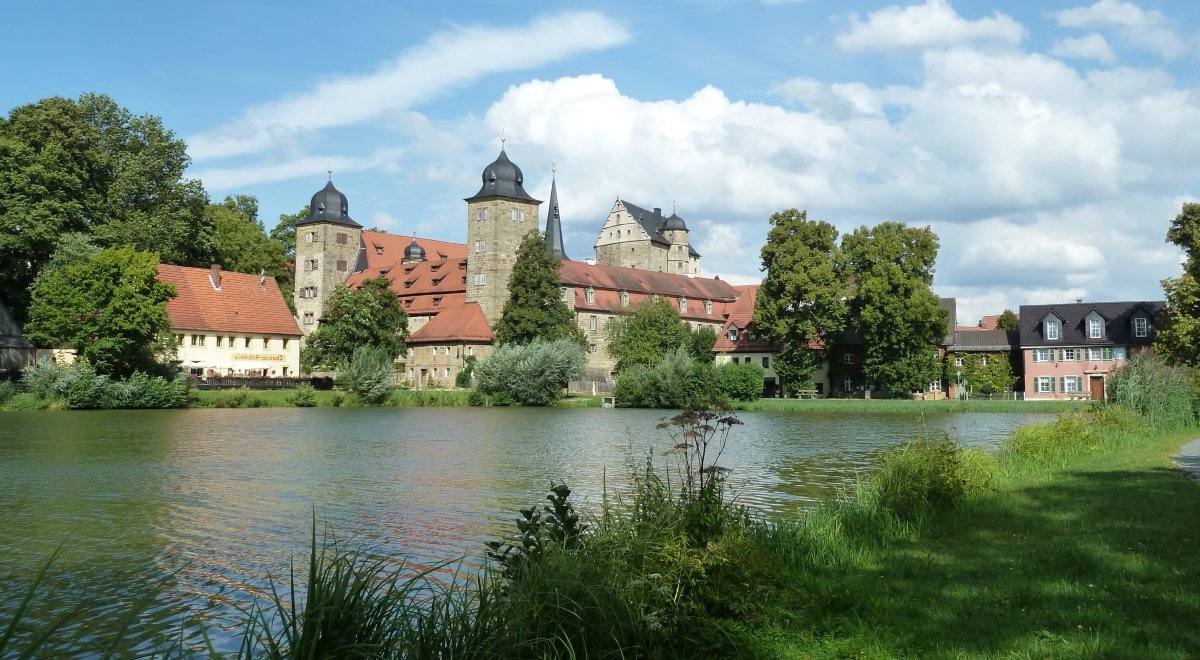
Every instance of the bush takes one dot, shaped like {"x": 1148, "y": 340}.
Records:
{"x": 678, "y": 381}
{"x": 7, "y": 391}
{"x": 48, "y": 380}
{"x": 83, "y": 389}
{"x": 304, "y": 396}
{"x": 368, "y": 374}
{"x": 740, "y": 382}
{"x": 463, "y": 378}
{"x": 533, "y": 374}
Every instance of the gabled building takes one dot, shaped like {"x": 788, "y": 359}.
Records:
{"x": 231, "y": 324}
{"x": 635, "y": 237}
{"x": 1068, "y": 350}
{"x": 739, "y": 343}
{"x": 973, "y": 350}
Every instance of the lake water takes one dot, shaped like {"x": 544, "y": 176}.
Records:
{"x": 184, "y": 514}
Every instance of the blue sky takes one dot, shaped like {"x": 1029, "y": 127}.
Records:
{"x": 1048, "y": 144}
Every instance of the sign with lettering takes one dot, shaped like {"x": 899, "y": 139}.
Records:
{"x": 260, "y": 357}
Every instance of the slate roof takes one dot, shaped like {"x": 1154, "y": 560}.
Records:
{"x": 653, "y": 223}
{"x": 461, "y": 323}
{"x": 503, "y": 179}
{"x": 245, "y": 302}
{"x": 1118, "y": 326}
{"x": 976, "y": 340}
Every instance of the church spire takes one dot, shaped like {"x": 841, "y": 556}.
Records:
{"x": 554, "y": 239}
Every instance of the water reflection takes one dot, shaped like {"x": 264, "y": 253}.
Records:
{"x": 200, "y": 507}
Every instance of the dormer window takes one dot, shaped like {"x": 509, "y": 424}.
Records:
{"x": 733, "y": 333}
{"x": 591, "y": 296}
{"x": 708, "y": 307}
{"x": 1095, "y": 326}
{"x": 624, "y": 298}
{"x": 378, "y": 250}
{"x": 1053, "y": 329}
{"x": 683, "y": 305}
{"x": 437, "y": 301}
{"x": 1141, "y": 326}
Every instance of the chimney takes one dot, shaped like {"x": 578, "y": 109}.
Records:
{"x": 1078, "y": 301}
{"x": 215, "y": 276}
{"x": 657, "y": 212}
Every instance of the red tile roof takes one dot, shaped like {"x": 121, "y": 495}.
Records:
{"x": 460, "y": 323}
{"x": 741, "y": 316}
{"x": 243, "y": 304}
{"x": 383, "y": 250}
{"x": 633, "y": 280}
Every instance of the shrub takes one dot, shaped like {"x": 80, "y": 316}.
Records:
{"x": 7, "y": 391}
{"x": 48, "y": 380}
{"x": 368, "y": 374}
{"x": 463, "y": 378}
{"x": 232, "y": 398}
{"x": 740, "y": 382}
{"x": 533, "y": 374}
{"x": 304, "y": 396}
{"x": 924, "y": 475}
{"x": 678, "y": 381}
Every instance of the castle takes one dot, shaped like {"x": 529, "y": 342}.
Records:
{"x": 454, "y": 293}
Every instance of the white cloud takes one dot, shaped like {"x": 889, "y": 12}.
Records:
{"x": 446, "y": 60}
{"x": 1147, "y": 29}
{"x": 1089, "y": 47}
{"x": 933, "y": 24}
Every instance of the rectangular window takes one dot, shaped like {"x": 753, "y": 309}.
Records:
{"x": 1043, "y": 384}
{"x": 1043, "y": 355}
{"x": 445, "y": 350}
{"x": 446, "y": 372}
{"x": 197, "y": 340}
{"x": 708, "y": 307}
{"x": 480, "y": 279}
{"x": 958, "y": 360}
{"x": 591, "y": 296}
{"x": 592, "y": 322}
{"x": 246, "y": 344}
{"x": 983, "y": 360}
{"x": 219, "y": 338}
{"x": 341, "y": 265}
{"x": 935, "y": 386}
{"x": 1053, "y": 329}
{"x": 309, "y": 237}
{"x": 285, "y": 344}
{"x": 1141, "y": 326}
{"x": 733, "y": 333}
{"x": 481, "y": 214}
{"x": 341, "y": 238}
{"x": 266, "y": 343}
{"x": 735, "y": 360}
{"x": 1095, "y": 327}
{"x": 683, "y": 305}
{"x": 1119, "y": 352}
{"x": 1097, "y": 354}
{"x": 591, "y": 348}
{"x": 624, "y": 298}
{"x": 518, "y": 215}
{"x": 847, "y": 358}
{"x": 314, "y": 264}
{"x": 308, "y": 320}
{"x": 1069, "y": 354}
{"x": 480, "y": 246}
{"x": 1072, "y": 384}
{"x": 848, "y": 383}
{"x": 766, "y": 362}
{"x": 470, "y": 350}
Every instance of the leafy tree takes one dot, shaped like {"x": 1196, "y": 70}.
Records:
{"x": 242, "y": 244}
{"x": 369, "y": 315}
{"x": 740, "y": 382}
{"x": 700, "y": 343}
{"x": 801, "y": 302}
{"x": 1179, "y": 337}
{"x": 646, "y": 334}
{"x": 90, "y": 166}
{"x": 534, "y": 373}
{"x": 110, "y": 308}
{"x": 284, "y": 232}
{"x": 894, "y": 305}
{"x": 1008, "y": 321}
{"x": 985, "y": 373}
{"x": 535, "y": 308}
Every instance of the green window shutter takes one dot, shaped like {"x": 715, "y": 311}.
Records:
{"x": 1062, "y": 384}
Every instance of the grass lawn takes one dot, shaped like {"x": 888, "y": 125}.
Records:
{"x": 1098, "y": 556}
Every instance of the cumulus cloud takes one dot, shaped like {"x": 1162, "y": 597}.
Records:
{"x": 1146, "y": 29}
{"x": 1089, "y": 47}
{"x": 446, "y": 60}
{"x": 932, "y": 24}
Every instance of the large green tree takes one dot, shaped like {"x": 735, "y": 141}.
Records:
{"x": 1179, "y": 337}
{"x": 284, "y": 232}
{"x": 242, "y": 243}
{"x": 88, "y": 165}
{"x": 648, "y": 333}
{"x": 801, "y": 303}
{"x": 110, "y": 308}
{"x": 1008, "y": 320}
{"x": 369, "y": 315}
{"x": 893, "y": 303}
{"x": 535, "y": 308}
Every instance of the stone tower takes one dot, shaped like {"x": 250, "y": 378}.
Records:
{"x": 679, "y": 260}
{"x": 327, "y": 244}
{"x": 498, "y": 217}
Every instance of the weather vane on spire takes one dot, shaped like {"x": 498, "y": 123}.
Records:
{"x": 553, "y": 168}
{"x": 330, "y": 170}
{"x": 503, "y": 139}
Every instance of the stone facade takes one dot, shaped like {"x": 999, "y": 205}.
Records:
{"x": 327, "y": 249}
{"x": 438, "y": 365}
{"x": 495, "y": 228}
{"x": 634, "y": 237}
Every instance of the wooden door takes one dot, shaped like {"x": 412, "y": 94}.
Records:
{"x": 1096, "y": 388}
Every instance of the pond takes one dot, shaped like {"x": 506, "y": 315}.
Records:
{"x": 185, "y": 514}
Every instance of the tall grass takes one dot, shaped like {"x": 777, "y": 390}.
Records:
{"x": 1161, "y": 393}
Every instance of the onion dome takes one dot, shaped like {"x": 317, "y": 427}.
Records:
{"x": 329, "y": 205}
{"x": 503, "y": 179}
{"x": 414, "y": 252}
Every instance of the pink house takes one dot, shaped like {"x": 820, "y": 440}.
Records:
{"x": 1068, "y": 350}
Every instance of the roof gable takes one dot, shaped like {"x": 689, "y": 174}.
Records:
{"x": 244, "y": 303}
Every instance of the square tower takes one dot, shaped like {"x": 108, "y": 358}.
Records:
{"x": 327, "y": 244}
